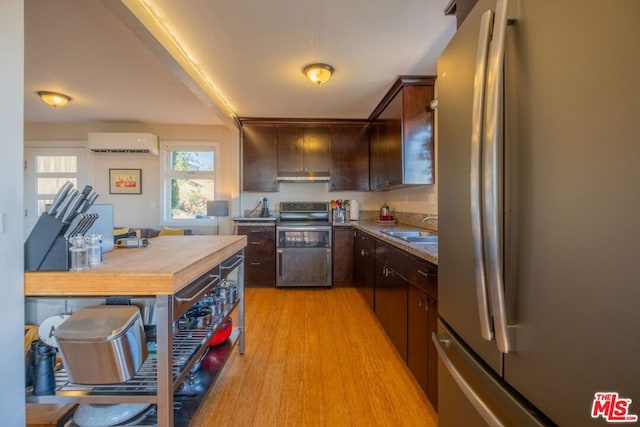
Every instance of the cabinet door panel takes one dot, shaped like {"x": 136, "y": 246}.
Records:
{"x": 398, "y": 313}
{"x": 393, "y": 144}
{"x": 364, "y": 266}
{"x": 290, "y": 148}
{"x": 259, "y": 158}
{"x": 349, "y": 158}
{"x": 316, "y": 146}
{"x": 419, "y": 162}
{"x": 417, "y": 357}
{"x": 342, "y": 255}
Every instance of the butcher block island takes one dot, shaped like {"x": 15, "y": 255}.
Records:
{"x": 167, "y": 280}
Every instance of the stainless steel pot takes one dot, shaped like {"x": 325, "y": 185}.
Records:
{"x": 198, "y": 317}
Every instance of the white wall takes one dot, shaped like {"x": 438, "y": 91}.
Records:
{"x": 12, "y": 395}
{"x": 143, "y": 210}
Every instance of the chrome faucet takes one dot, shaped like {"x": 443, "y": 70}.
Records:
{"x": 429, "y": 217}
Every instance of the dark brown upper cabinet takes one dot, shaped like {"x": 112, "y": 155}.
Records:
{"x": 349, "y": 157}
{"x": 401, "y": 144}
{"x": 303, "y": 148}
{"x": 259, "y": 157}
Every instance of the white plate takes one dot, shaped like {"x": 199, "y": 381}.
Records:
{"x": 48, "y": 327}
{"x": 104, "y": 415}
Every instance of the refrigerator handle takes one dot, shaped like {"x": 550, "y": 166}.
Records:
{"x": 491, "y": 176}
{"x": 475, "y": 176}
{"x": 442, "y": 342}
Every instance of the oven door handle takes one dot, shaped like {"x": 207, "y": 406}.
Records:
{"x": 279, "y": 267}
{"x": 304, "y": 228}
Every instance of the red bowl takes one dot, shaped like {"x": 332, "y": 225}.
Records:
{"x": 223, "y": 333}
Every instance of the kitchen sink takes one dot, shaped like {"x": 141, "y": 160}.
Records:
{"x": 413, "y": 236}
{"x": 403, "y": 234}
{"x": 421, "y": 239}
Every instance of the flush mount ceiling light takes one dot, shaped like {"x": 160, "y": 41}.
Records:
{"x": 318, "y": 73}
{"x": 54, "y": 99}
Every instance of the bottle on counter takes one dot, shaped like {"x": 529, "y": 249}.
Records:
{"x": 78, "y": 251}
{"x": 94, "y": 250}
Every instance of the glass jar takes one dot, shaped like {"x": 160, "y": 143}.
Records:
{"x": 78, "y": 251}
{"x": 94, "y": 250}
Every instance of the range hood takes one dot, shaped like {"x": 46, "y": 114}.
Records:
{"x": 303, "y": 176}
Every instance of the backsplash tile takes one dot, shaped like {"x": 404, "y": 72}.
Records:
{"x": 405, "y": 218}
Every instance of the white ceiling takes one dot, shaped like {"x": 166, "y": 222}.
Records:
{"x": 117, "y": 69}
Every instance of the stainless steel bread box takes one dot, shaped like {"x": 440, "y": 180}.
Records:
{"x": 102, "y": 344}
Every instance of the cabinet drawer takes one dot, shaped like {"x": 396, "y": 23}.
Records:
{"x": 257, "y": 232}
{"x": 425, "y": 276}
{"x": 259, "y": 251}
{"x": 394, "y": 258}
{"x": 365, "y": 243}
{"x": 260, "y": 273}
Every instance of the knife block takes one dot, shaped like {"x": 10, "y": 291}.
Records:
{"x": 46, "y": 248}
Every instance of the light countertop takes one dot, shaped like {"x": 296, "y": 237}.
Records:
{"x": 427, "y": 252}
{"x": 166, "y": 266}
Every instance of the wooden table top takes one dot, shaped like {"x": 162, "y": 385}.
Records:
{"x": 164, "y": 267}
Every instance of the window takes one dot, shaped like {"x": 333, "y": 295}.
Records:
{"x": 46, "y": 170}
{"x": 189, "y": 181}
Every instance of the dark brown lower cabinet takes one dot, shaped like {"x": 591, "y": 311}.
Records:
{"x": 342, "y": 256}
{"x": 364, "y": 265}
{"x": 405, "y": 303}
{"x": 390, "y": 305}
{"x": 422, "y": 358}
{"x": 260, "y": 255}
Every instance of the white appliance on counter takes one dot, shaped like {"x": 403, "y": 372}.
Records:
{"x": 539, "y": 237}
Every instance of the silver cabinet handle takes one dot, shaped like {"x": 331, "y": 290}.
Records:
{"x": 442, "y": 342}
{"x": 425, "y": 274}
{"x": 491, "y": 174}
{"x": 204, "y": 290}
{"x": 482, "y": 298}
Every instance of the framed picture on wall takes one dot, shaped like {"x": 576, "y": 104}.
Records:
{"x": 125, "y": 181}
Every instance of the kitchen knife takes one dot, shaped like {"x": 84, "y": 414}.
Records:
{"x": 73, "y": 227}
{"x": 65, "y": 204}
{"x": 87, "y": 223}
{"x": 59, "y": 198}
{"x": 71, "y": 210}
{"x": 88, "y": 202}
{"x": 85, "y": 193}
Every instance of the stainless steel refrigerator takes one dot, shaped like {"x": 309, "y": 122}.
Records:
{"x": 538, "y": 125}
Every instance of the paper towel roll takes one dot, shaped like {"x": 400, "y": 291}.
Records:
{"x": 354, "y": 214}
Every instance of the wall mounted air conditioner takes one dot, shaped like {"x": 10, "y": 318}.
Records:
{"x": 122, "y": 143}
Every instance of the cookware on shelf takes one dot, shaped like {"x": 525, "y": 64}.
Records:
{"x": 198, "y": 317}
{"x": 103, "y": 415}
{"x": 223, "y": 333}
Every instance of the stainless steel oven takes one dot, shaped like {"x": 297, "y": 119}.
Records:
{"x": 303, "y": 240}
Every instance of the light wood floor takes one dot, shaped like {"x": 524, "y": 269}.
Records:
{"x": 314, "y": 357}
